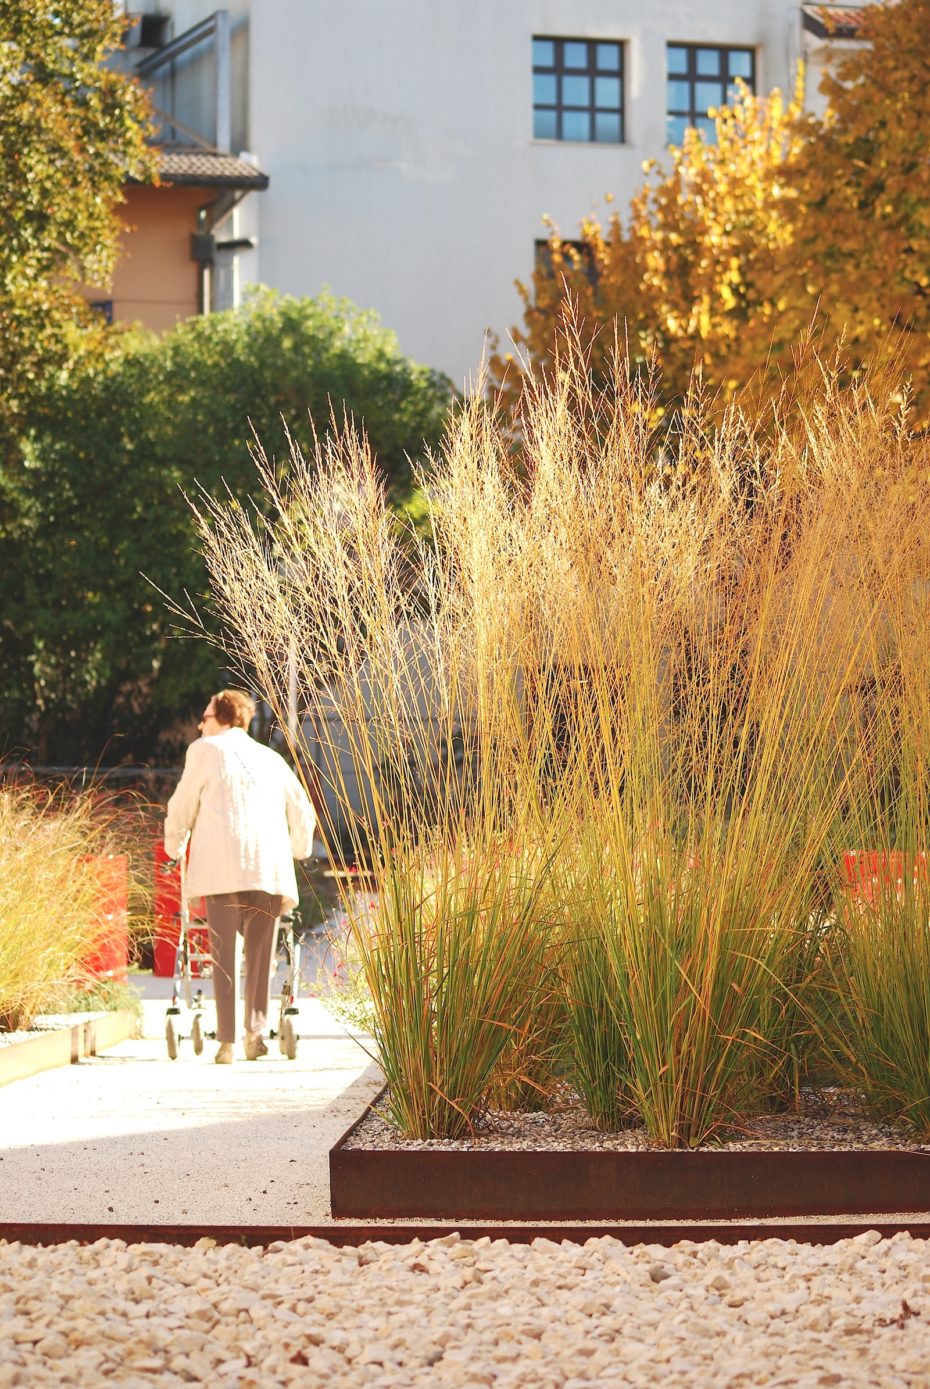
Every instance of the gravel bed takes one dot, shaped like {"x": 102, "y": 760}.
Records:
{"x": 457, "y": 1314}
{"x": 829, "y": 1120}
{"x": 47, "y": 1022}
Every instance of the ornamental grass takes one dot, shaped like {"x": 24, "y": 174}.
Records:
{"x": 453, "y": 966}
{"x": 50, "y": 922}
{"x": 878, "y": 1011}
{"x": 603, "y": 729}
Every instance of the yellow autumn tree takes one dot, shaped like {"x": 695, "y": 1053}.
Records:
{"x": 862, "y": 177}
{"x": 693, "y": 275}
{"x": 786, "y": 229}
{"x": 713, "y": 242}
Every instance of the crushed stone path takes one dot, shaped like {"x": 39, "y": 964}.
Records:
{"x": 464, "y": 1314}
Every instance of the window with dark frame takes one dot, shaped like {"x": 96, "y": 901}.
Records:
{"x": 701, "y": 76}
{"x": 578, "y": 90}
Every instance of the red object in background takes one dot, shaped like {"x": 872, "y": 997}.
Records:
{"x": 109, "y": 958}
{"x": 167, "y": 911}
{"x": 868, "y": 871}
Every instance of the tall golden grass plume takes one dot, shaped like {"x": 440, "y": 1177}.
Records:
{"x": 660, "y": 664}
{"x": 52, "y": 841}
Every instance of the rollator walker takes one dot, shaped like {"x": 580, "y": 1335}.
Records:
{"x": 185, "y": 1016}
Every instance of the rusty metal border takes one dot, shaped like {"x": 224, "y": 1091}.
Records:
{"x": 663, "y": 1233}
{"x": 546, "y": 1186}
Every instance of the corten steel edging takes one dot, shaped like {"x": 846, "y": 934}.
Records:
{"x": 664, "y": 1233}
{"x": 388, "y": 1184}
{"x": 394, "y": 1184}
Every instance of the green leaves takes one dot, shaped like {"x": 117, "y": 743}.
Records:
{"x": 114, "y": 445}
{"x": 788, "y": 228}
{"x": 72, "y": 130}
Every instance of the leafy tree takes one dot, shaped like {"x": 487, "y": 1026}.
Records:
{"x": 72, "y": 130}
{"x": 862, "y": 181}
{"x": 294, "y": 361}
{"x": 92, "y": 660}
{"x": 789, "y": 228}
{"x": 692, "y": 274}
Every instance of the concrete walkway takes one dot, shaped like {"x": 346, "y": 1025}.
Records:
{"x": 130, "y": 1136}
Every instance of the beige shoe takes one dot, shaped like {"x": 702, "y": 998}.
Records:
{"x": 254, "y": 1046}
{"x": 225, "y": 1054}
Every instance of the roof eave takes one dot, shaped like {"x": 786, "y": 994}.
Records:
{"x": 257, "y": 183}
{"x": 822, "y": 30}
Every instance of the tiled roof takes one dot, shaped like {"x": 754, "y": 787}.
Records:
{"x": 206, "y": 168}
{"x": 832, "y": 21}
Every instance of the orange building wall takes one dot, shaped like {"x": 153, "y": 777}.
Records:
{"x": 155, "y": 282}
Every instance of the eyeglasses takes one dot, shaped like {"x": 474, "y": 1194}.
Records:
{"x": 207, "y": 714}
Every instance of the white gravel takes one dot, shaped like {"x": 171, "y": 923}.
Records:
{"x": 829, "y": 1120}
{"x": 467, "y": 1313}
{"x": 44, "y": 1023}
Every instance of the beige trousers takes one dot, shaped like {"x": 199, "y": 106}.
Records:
{"x": 238, "y": 919}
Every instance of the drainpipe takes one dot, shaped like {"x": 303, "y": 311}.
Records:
{"x": 223, "y": 81}
{"x": 202, "y": 251}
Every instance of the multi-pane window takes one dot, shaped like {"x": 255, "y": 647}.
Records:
{"x": 699, "y": 78}
{"x": 578, "y": 90}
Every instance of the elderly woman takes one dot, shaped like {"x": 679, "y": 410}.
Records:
{"x": 248, "y": 818}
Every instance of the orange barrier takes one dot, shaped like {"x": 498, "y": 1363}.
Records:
{"x": 167, "y": 911}
{"x": 109, "y": 956}
{"x": 869, "y": 873}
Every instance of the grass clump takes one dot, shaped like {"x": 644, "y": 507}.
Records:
{"x": 50, "y": 919}
{"x": 102, "y": 996}
{"x": 451, "y": 967}
{"x": 603, "y": 730}
{"x": 883, "y": 978}
{"x": 878, "y": 1015}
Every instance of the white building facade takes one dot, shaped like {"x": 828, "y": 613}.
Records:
{"x": 414, "y": 147}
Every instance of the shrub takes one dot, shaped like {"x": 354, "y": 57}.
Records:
{"x": 86, "y": 639}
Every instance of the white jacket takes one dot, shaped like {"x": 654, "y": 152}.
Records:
{"x": 247, "y": 815}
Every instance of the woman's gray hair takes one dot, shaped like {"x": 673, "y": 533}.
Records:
{"x": 234, "y": 708}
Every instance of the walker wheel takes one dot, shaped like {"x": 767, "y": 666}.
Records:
{"x": 289, "y": 1038}
{"x": 171, "y": 1037}
{"x": 197, "y": 1034}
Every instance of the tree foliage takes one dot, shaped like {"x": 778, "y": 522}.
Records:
{"x": 862, "y": 184}
{"x": 693, "y": 274}
{"x": 86, "y": 640}
{"x": 72, "y": 130}
{"x": 789, "y": 227}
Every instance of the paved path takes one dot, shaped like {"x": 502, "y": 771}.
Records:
{"x": 130, "y": 1136}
